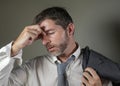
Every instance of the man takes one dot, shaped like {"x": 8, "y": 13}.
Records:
{"x": 61, "y": 67}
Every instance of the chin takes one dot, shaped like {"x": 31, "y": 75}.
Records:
{"x": 55, "y": 53}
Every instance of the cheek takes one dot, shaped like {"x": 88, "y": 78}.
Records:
{"x": 58, "y": 38}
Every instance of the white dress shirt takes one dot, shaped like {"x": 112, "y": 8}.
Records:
{"x": 39, "y": 71}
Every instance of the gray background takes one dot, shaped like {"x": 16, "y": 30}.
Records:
{"x": 97, "y": 23}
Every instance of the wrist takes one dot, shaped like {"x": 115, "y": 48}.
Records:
{"x": 14, "y": 49}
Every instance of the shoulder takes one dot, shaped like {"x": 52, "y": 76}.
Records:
{"x": 39, "y": 60}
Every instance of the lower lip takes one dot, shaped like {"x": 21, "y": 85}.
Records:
{"x": 51, "y": 49}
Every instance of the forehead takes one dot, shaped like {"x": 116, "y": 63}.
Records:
{"x": 48, "y": 24}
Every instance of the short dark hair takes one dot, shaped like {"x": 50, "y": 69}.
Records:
{"x": 58, "y": 14}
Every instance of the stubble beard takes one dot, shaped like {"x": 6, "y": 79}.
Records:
{"x": 60, "y": 50}
{"x": 61, "y": 47}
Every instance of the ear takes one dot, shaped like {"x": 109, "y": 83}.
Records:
{"x": 71, "y": 29}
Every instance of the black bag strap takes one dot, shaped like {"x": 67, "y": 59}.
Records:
{"x": 85, "y": 52}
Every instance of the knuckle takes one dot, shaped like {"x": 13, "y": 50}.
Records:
{"x": 97, "y": 78}
{"x": 93, "y": 83}
{"x": 26, "y": 29}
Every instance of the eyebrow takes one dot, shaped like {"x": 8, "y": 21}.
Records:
{"x": 50, "y": 30}
{"x": 43, "y": 28}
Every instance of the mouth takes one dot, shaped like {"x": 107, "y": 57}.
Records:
{"x": 50, "y": 48}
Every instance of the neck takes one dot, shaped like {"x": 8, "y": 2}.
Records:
{"x": 69, "y": 50}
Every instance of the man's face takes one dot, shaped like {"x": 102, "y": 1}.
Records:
{"x": 55, "y": 38}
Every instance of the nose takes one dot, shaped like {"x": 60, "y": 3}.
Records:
{"x": 45, "y": 40}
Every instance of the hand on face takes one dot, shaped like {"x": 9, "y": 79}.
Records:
{"x": 27, "y": 37}
{"x": 91, "y": 78}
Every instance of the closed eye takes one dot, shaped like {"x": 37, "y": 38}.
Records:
{"x": 50, "y": 32}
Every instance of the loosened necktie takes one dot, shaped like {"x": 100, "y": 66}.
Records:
{"x": 62, "y": 78}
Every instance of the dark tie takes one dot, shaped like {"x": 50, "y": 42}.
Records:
{"x": 62, "y": 78}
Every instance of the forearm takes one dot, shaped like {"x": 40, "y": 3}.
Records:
{"x": 5, "y": 56}
{"x": 7, "y": 63}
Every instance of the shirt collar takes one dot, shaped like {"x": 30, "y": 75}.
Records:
{"x": 76, "y": 54}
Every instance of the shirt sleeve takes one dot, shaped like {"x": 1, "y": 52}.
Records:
{"x": 5, "y": 56}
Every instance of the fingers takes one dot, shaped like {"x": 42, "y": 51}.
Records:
{"x": 90, "y": 78}
{"x": 33, "y": 31}
{"x": 92, "y": 72}
{"x": 27, "y": 37}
